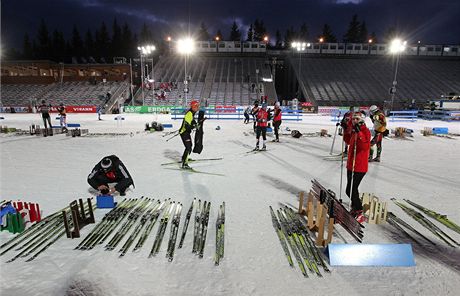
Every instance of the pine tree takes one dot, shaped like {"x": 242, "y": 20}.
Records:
{"x": 328, "y": 35}
{"x": 352, "y": 35}
{"x": 146, "y": 35}
{"x": 203, "y": 34}
{"x": 235, "y": 34}
{"x": 374, "y": 37}
{"x": 43, "y": 41}
{"x": 390, "y": 34}
{"x": 128, "y": 45}
{"x": 58, "y": 45}
{"x": 289, "y": 37}
{"x": 259, "y": 30}
{"x": 76, "y": 44}
{"x": 89, "y": 44}
{"x": 116, "y": 46}
{"x": 27, "y": 50}
{"x": 303, "y": 33}
{"x": 250, "y": 36}
{"x": 363, "y": 34}
{"x": 219, "y": 34}
{"x": 278, "y": 40}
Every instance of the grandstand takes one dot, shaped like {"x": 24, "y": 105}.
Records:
{"x": 343, "y": 81}
{"x": 219, "y": 80}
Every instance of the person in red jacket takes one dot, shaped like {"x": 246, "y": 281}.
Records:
{"x": 277, "y": 121}
{"x": 262, "y": 118}
{"x": 357, "y": 163}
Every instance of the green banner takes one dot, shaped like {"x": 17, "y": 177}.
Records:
{"x": 148, "y": 109}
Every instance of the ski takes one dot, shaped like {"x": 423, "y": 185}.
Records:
{"x": 152, "y": 219}
{"x": 291, "y": 242}
{"x": 396, "y": 222}
{"x": 138, "y": 228}
{"x": 191, "y": 170}
{"x": 161, "y": 230}
{"x": 438, "y": 217}
{"x": 197, "y": 225}
{"x": 204, "y": 232}
{"x": 186, "y": 222}
{"x": 220, "y": 235}
{"x": 193, "y": 160}
{"x": 281, "y": 237}
{"x": 173, "y": 234}
{"x": 417, "y": 216}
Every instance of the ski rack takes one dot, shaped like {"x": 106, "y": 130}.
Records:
{"x": 327, "y": 202}
{"x": 316, "y": 223}
{"x": 375, "y": 210}
{"x": 79, "y": 217}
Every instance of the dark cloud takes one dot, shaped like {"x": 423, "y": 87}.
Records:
{"x": 427, "y": 20}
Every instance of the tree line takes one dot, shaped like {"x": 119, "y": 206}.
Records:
{"x": 119, "y": 40}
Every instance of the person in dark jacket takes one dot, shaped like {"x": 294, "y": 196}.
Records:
{"x": 357, "y": 162}
{"x": 254, "y": 112}
{"x": 110, "y": 170}
{"x": 185, "y": 131}
{"x": 44, "y": 109}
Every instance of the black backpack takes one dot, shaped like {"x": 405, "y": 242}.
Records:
{"x": 296, "y": 134}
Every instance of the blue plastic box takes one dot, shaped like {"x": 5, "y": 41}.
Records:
{"x": 105, "y": 201}
{"x": 440, "y": 130}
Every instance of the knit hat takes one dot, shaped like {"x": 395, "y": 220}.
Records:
{"x": 359, "y": 115}
{"x": 106, "y": 163}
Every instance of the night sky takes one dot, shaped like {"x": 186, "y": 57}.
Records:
{"x": 431, "y": 21}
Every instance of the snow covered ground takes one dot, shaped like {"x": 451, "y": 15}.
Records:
{"x": 52, "y": 171}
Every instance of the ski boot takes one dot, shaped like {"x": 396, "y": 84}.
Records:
{"x": 377, "y": 159}
{"x": 256, "y": 149}
{"x": 360, "y": 217}
{"x": 185, "y": 166}
{"x": 264, "y": 148}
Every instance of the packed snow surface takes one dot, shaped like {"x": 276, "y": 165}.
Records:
{"x": 53, "y": 170}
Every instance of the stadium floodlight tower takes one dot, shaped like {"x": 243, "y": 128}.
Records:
{"x": 145, "y": 51}
{"x": 186, "y": 47}
{"x": 397, "y": 46}
{"x": 300, "y": 47}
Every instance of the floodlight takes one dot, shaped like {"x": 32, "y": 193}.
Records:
{"x": 185, "y": 46}
{"x": 397, "y": 46}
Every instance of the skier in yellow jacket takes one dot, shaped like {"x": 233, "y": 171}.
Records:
{"x": 188, "y": 124}
{"x": 380, "y": 130}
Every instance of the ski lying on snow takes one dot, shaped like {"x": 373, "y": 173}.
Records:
{"x": 193, "y": 160}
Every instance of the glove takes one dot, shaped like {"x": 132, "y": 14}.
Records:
{"x": 357, "y": 128}
{"x": 337, "y": 124}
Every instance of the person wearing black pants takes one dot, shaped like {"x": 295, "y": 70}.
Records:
{"x": 45, "y": 111}
{"x": 277, "y": 121}
{"x": 357, "y": 163}
{"x": 110, "y": 170}
{"x": 185, "y": 131}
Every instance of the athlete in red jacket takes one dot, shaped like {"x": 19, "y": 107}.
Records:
{"x": 262, "y": 118}
{"x": 357, "y": 162}
{"x": 277, "y": 121}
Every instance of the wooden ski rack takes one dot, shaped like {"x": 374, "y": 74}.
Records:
{"x": 374, "y": 210}
{"x": 79, "y": 217}
{"x": 317, "y": 222}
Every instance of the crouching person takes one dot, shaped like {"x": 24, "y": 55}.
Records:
{"x": 110, "y": 170}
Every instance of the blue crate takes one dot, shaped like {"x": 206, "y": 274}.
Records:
{"x": 105, "y": 201}
{"x": 167, "y": 125}
{"x": 440, "y": 130}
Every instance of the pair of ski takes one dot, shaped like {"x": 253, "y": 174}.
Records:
{"x": 334, "y": 157}
{"x": 192, "y": 170}
{"x": 220, "y": 235}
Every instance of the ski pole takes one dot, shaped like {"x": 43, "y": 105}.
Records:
{"x": 173, "y": 136}
{"x": 335, "y": 134}
{"x": 341, "y": 171}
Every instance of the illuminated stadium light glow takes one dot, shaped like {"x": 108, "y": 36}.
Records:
{"x": 185, "y": 46}
{"x": 300, "y": 46}
{"x": 397, "y": 46}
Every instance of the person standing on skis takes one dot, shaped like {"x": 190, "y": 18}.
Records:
{"x": 188, "y": 124}
{"x": 357, "y": 163}
{"x": 261, "y": 128}
{"x": 380, "y": 129}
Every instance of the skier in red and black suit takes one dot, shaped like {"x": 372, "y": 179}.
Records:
{"x": 262, "y": 122}
{"x": 110, "y": 170}
{"x": 357, "y": 162}
{"x": 277, "y": 121}
{"x": 347, "y": 127}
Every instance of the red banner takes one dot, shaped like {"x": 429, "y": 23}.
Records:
{"x": 77, "y": 109}
{"x": 225, "y": 109}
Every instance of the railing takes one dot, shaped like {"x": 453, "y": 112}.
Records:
{"x": 403, "y": 115}
{"x": 234, "y": 113}
{"x": 446, "y": 115}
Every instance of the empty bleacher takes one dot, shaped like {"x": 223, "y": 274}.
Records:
{"x": 217, "y": 80}
{"x": 362, "y": 81}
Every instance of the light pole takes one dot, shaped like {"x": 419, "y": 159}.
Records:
{"x": 185, "y": 46}
{"x": 396, "y": 48}
{"x": 300, "y": 47}
{"x": 144, "y": 51}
